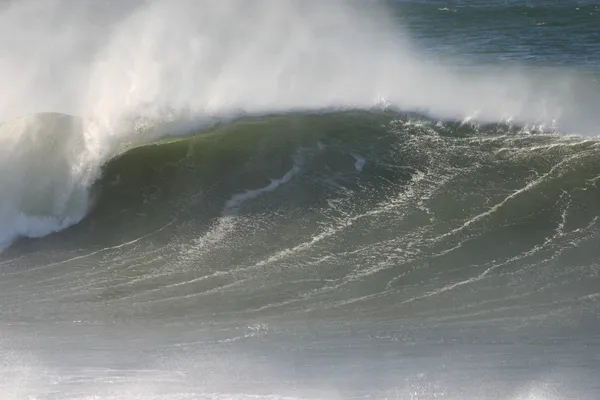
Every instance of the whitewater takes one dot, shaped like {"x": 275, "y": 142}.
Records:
{"x": 139, "y": 65}
{"x": 289, "y": 199}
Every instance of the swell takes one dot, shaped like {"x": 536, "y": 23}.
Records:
{"x": 145, "y": 185}
{"x": 210, "y": 173}
{"x": 171, "y": 61}
{"x": 214, "y": 163}
{"x": 314, "y": 212}
{"x": 217, "y": 163}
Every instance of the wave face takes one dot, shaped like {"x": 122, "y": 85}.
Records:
{"x": 293, "y": 199}
{"x": 144, "y": 64}
{"x": 403, "y": 228}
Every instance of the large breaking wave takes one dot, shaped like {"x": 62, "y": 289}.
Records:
{"x": 126, "y": 70}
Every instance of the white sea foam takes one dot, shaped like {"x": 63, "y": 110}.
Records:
{"x": 122, "y": 66}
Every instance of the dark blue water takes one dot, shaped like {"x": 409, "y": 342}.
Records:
{"x": 313, "y": 241}
{"x": 541, "y": 33}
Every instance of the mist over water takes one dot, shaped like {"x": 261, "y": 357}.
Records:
{"x": 111, "y": 61}
{"x": 126, "y": 66}
{"x": 297, "y": 199}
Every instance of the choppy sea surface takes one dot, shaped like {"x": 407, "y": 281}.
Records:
{"x": 300, "y": 200}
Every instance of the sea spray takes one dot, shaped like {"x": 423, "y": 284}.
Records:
{"x": 121, "y": 65}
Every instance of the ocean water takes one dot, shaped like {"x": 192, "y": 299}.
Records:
{"x": 300, "y": 199}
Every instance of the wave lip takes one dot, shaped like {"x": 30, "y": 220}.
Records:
{"x": 152, "y": 61}
{"x": 46, "y": 175}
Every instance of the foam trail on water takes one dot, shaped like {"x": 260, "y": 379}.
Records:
{"x": 228, "y": 220}
{"x": 124, "y": 66}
